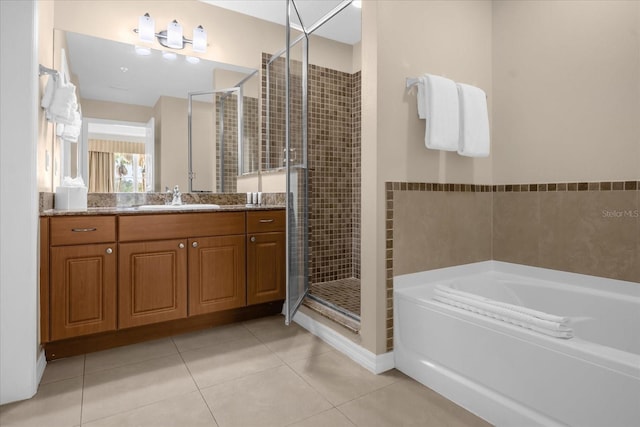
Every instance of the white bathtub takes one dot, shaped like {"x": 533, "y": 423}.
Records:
{"x": 511, "y": 376}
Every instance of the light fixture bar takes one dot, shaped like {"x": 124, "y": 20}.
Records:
{"x": 172, "y": 37}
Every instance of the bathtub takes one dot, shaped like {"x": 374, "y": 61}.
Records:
{"x": 511, "y": 376}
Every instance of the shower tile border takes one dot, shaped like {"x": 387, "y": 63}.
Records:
{"x": 392, "y": 186}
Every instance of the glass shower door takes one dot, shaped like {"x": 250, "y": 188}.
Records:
{"x": 296, "y": 161}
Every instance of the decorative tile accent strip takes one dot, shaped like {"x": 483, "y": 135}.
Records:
{"x": 480, "y": 188}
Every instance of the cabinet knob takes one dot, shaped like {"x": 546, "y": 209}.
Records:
{"x": 194, "y": 244}
{"x": 109, "y": 251}
{"x": 181, "y": 245}
{"x": 253, "y": 239}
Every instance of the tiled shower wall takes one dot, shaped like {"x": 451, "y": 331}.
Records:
{"x": 588, "y": 228}
{"x": 250, "y": 148}
{"x": 334, "y": 161}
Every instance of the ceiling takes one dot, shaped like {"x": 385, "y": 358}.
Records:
{"x": 344, "y": 27}
{"x": 118, "y": 74}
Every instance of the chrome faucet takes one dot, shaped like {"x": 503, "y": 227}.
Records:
{"x": 177, "y": 196}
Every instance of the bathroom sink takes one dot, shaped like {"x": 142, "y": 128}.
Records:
{"x": 189, "y": 207}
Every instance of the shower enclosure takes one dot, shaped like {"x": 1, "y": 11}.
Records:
{"x": 321, "y": 153}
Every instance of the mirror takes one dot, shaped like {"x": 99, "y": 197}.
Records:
{"x": 135, "y": 118}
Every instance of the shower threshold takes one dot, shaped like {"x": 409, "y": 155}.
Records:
{"x": 338, "y": 301}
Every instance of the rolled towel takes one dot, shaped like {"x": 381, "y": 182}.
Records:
{"x": 438, "y": 103}
{"x": 565, "y": 334}
{"x": 525, "y": 310}
{"x": 504, "y": 313}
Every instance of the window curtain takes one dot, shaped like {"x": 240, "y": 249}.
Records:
{"x": 101, "y": 170}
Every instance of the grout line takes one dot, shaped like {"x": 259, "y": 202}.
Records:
{"x": 84, "y": 366}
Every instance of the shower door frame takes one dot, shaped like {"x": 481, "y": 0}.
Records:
{"x": 293, "y": 285}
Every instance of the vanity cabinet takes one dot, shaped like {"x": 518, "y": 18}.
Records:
{"x": 216, "y": 274}
{"x": 152, "y": 282}
{"x": 266, "y": 256}
{"x": 199, "y": 270}
{"x": 82, "y": 277}
{"x": 109, "y": 280}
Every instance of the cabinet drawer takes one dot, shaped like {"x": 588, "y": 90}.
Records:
{"x": 176, "y": 226}
{"x": 266, "y": 221}
{"x": 78, "y": 230}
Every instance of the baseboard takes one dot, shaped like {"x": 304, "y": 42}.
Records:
{"x": 376, "y": 363}
{"x": 40, "y": 365}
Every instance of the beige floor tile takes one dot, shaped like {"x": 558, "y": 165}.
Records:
{"x": 211, "y": 336}
{"x": 132, "y": 386}
{"x": 63, "y": 369}
{"x": 290, "y": 343}
{"x": 134, "y": 353}
{"x": 276, "y": 397}
{"x": 332, "y": 418}
{"x": 188, "y": 410}
{"x": 234, "y": 359}
{"x": 265, "y": 324}
{"x": 338, "y": 378}
{"x": 56, "y": 404}
{"x": 407, "y": 403}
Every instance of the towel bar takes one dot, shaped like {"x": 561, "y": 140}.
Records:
{"x": 412, "y": 81}
{"x": 45, "y": 70}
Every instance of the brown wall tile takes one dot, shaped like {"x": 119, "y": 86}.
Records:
{"x": 516, "y": 227}
{"x": 440, "y": 229}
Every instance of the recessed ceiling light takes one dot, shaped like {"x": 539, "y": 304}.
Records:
{"x": 124, "y": 69}
{"x": 143, "y": 51}
{"x": 193, "y": 59}
{"x": 169, "y": 55}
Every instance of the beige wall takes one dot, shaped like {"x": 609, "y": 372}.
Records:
{"x": 403, "y": 39}
{"x": 115, "y": 111}
{"x": 566, "y": 91}
{"x": 233, "y": 38}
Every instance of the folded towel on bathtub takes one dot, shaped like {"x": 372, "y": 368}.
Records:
{"x": 529, "y": 311}
{"x": 564, "y": 333}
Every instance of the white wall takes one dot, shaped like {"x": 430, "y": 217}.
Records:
{"x": 19, "y": 349}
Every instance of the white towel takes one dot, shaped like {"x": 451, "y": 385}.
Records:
{"x": 474, "y": 122}
{"x": 438, "y": 104}
{"x": 63, "y": 104}
{"x": 49, "y": 89}
{"x": 505, "y": 314}
{"x": 525, "y": 310}
{"x": 71, "y": 132}
{"x": 565, "y": 334}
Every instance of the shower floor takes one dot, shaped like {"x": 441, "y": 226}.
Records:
{"x": 339, "y": 300}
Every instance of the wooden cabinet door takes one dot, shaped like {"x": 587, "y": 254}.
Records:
{"x": 265, "y": 267}
{"x": 83, "y": 290}
{"x": 217, "y": 279}
{"x": 152, "y": 282}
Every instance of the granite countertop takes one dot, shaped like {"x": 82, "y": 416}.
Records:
{"x": 135, "y": 211}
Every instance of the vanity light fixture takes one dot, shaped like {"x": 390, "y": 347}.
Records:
{"x": 172, "y": 37}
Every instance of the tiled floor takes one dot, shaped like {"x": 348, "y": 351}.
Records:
{"x": 345, "y": 293}
{"x": 257, "y": 373}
